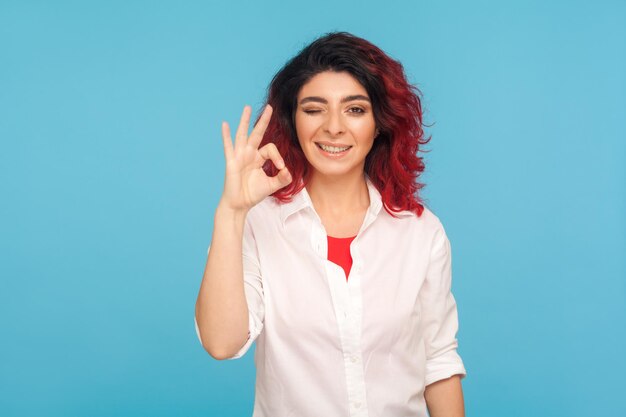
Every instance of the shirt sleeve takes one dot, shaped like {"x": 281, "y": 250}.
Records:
{"x": 439, "y": 314}
{"x": 253, "y": 287}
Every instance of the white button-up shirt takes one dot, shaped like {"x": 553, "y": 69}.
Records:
{"x": 367, "y": 346}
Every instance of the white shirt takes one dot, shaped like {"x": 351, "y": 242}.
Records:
{"x": 363, "y": 347}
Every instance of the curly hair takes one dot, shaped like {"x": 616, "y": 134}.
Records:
{"x": 393, "y": 164}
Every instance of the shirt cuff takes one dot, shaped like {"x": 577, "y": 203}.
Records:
{"x": 254, "y": 329}
{"x": 444, "y": 366}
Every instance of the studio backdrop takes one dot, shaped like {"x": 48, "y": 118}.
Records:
{"x": 111, "y": 167}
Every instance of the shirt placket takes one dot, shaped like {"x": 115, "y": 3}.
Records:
{"x": 347, "y": 302}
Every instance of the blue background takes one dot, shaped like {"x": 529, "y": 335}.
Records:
{"x": 111, "y": 167}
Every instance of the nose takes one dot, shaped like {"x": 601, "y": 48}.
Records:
{"x": 334, "y": 123}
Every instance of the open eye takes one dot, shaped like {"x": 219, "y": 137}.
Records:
{"x": 356, "y": 110}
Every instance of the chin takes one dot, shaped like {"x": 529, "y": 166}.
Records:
{"x": 327, "y": 171}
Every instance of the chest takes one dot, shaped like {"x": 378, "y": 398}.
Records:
{"x": 307, "y": 294}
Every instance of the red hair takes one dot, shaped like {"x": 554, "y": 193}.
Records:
{"x": 393, "y": 164}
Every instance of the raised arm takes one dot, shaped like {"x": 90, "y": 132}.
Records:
{"x": 221, "y": 308}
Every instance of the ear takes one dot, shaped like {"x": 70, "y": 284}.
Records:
{"x": 376, "y": 133}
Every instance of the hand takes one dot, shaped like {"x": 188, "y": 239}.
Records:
{"x": 246, "y": 183}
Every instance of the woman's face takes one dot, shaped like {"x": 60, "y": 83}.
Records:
{"x": 335, "y": 123}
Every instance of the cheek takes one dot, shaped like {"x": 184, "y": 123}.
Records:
{"x": 305, "y": 128}
{"x": 364, "y": 128}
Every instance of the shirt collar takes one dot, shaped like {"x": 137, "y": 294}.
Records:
{"x": 302, "y": 200}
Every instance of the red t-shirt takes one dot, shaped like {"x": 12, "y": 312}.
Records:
{"x": 339, "y": 252}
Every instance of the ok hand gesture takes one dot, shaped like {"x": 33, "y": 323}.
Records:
{"x": 246, "y": 183}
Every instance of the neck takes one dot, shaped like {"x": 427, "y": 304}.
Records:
{"x": 339, "y": 196}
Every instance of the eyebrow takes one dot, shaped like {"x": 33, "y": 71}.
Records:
{"x": 343, "y": 100}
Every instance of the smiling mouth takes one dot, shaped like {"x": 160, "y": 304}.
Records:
{"x": 333, "y": 149}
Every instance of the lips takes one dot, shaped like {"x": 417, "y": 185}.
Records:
{"x": 333, "y": 149}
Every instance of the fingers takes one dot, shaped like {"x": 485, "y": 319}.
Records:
{"x": 241, "y": 136}
{"x": 259, "y": 129}
{"x": 282, "y": 179}
{"x": 242, "y": 130}
{"x": 228, "y": 143}
{"x": 270, "y": 151}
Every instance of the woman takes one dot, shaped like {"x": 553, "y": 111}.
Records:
{"x": 322, "y": 251}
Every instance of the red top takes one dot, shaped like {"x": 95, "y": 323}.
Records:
{"x": 339, "y": 252}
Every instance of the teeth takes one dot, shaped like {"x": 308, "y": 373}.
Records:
{"x": 333, "y": 149}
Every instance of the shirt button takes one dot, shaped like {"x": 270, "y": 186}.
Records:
{"x": 354, "y": 359}
{"x": 357, "y": 405}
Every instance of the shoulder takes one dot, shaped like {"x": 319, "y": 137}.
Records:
{"x": 267, "y": 211}
{"x": 428, "y": 217}
{"x": 432, "y": 220}
{"x": 423, "y": 231}
{"x": 427, "y": 222}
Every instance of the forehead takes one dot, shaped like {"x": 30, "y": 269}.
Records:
{"x": 331, "y": 84}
